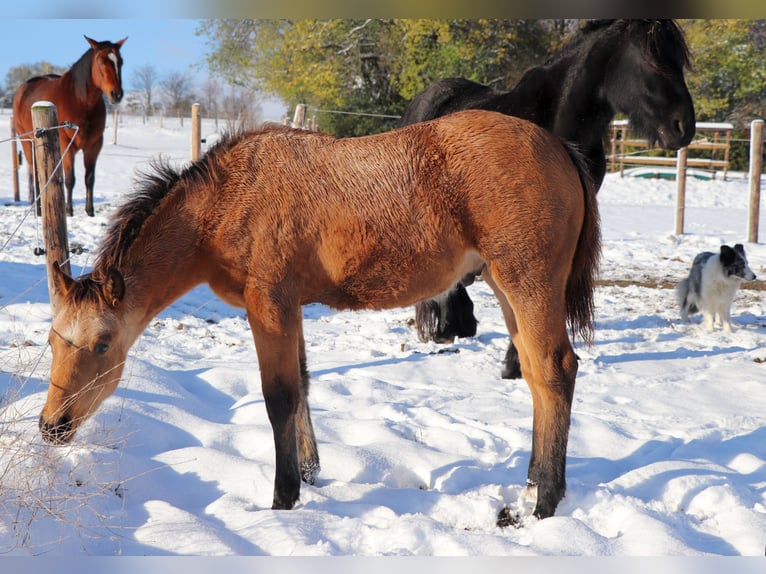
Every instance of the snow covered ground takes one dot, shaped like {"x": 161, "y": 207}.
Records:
{"x": 420, "y": 444}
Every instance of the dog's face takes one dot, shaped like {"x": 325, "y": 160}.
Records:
{"x": 734, "y": 263}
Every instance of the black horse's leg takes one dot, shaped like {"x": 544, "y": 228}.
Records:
{"x": 459, "y": 317}
{"x": 445, "y": 317}
{"x": 511, "y": 366}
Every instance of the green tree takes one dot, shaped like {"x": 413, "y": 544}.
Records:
{"x": 370, "y": 67}
{"x": 728, "y": 80}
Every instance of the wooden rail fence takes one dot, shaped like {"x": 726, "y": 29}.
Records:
{"x": 712, "y": 137}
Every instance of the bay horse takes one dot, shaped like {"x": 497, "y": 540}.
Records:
{"x": 79, "y": 98}
{"x": 382, "y": 221}
{"x": 633, "y": 67}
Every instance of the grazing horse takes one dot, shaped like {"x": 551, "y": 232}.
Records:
{"x": 380, "y": 221}
{"x": 79, "y": 98}
{"x": 635, "y": 67}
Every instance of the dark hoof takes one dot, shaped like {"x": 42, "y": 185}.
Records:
{"x": 512, "y": 364}
{"x": 511, "y": 371}
{"x": 309, "y": 471}
{"x": 507, "y": 518}
{"x": 282, "y": 505}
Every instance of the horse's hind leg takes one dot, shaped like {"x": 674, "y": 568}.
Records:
{"x": 308, "y": 454}
{"x": 537, "y": 322}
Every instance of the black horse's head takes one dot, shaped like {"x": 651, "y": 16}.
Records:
{"x": 645, "y": 79}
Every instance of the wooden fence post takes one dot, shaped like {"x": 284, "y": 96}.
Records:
{"x": 115, "y": 115}
{"x": 681, "y": 189}
{"x": 300, "y": 116}
{"x": 49, "y": 174}
{"x": 14, "y": 161}
{"x": 196, "y": 131}
{"x": 756, "y": 167}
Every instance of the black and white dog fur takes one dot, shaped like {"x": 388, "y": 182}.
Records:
{"x": 712, "y": 283}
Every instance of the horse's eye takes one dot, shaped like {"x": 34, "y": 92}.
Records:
{"x": 101, "y": 348}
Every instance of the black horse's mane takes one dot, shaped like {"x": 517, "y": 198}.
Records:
{"x": 658, "y": 36}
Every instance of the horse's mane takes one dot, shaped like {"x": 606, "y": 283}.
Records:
{"x": 658, "y": 36}
{"x": 151, "y": 187}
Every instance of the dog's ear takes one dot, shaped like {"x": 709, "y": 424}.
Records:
{"x": 728, "y": 255}
{"x": 739, "y": 248}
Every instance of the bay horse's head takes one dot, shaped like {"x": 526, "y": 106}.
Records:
{"x": 646, "y": 80}
{"x": 89, "y": 345}
{"x": 106, "y": 70}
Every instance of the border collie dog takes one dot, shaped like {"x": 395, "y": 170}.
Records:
{"x": 712, "y": 283}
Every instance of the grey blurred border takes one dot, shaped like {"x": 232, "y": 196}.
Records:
{"x": 384, "y": 9}
{"x": 381, "y": 565}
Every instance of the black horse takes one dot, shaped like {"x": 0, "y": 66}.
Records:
{"x": 633, "y": 67}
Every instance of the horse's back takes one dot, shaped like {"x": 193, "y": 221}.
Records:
{"x": 444, "y": 97}
{"x": 35, "y": 89}
{"x": 493, "y": 144}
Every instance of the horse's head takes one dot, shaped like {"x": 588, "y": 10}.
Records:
{"x": 89, "y": 346}
{"x": 106, "y": 71}
{"x": 646, "y": 80}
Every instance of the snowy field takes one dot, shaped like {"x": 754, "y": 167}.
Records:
{"x": 420, "y": 444}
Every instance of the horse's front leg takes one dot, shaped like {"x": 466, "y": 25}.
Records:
{"x": 279, "y": 361}
{"x": 89, "y": 162}
{"x": 67, "y": 163}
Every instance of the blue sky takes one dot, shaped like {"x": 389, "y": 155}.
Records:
{"x": 169, "y": 44}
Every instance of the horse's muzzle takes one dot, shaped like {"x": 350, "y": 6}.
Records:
{"x": 59, "y": 432}
{"x": 115, "y": 96}
{"x": 679, "y": 131}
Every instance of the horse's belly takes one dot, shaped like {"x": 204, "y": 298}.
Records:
{"x": 385, "y": 284}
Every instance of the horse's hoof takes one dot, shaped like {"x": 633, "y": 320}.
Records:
{"x": 309, "y": 471}
{"x": 511, "y": 372}
{"x": 506, "y": 517}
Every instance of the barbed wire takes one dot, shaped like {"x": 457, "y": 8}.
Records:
{"x": 368, "y": 114}
{"x": 29, "y": 136}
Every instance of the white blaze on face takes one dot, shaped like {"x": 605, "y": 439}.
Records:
{"x": 113, "y": 57}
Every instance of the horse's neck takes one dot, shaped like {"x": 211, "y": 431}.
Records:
{"x": 566, "y": 97}
{"x": 570, "y": 99}
{"x": 78, "y": 80}
{"x": 162, "y": 265}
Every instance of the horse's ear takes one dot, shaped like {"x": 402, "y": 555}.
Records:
{"x": 121, "y": 42}
{"x": 62, "y": 282}
{"x": 113, "y": 287}
{"x": 92, "y": 42}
